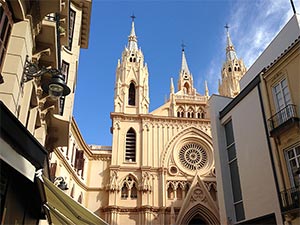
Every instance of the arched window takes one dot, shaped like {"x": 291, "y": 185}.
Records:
{"x": 187, "y": 88}
{"x": 229, "y": 69}
{"x": 179, "y": 192}
{"x": 80, "y": 198}
{"x": 124, "y": 191}
{"x": 72, "y": 191}
{"x": 170, "y": 192}
{"x": 131, "y": 94}
{"x": 133, "y": 192}
{"x": 129, "y": 188}
{"x": 188, "y": 114}
{"x": 180, "y": 112}
{"x": 130, "y": 145}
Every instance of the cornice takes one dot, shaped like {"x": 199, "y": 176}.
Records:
{"x": 92, "y": 156}
{"x": 155, "y": 118}
{"x": 73, "y": 173}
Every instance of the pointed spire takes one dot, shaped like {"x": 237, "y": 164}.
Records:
{"x": 230, "y": 51}
{"x": 132, "y": 39}
{"x": 172, "y": 86}
{"x": 206, "y": 89}
{"x": 184, "y": 66}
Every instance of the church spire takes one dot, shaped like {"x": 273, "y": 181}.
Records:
{"x": 132, "y": 39}
{"x": 230, "y": 51}
{"x": 184, "y": 66}
{"x": 232, "y": 71}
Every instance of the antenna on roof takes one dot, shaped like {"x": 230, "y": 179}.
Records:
{"x": 293, "y": 6}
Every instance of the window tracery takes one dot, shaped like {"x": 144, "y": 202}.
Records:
{"x": 129, "y": 188}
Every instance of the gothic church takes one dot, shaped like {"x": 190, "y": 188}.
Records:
{"x": 160, "y": 168}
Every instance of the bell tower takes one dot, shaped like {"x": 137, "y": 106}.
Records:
{"x": 232, "y": 71}
{"x": 131, "y": 88}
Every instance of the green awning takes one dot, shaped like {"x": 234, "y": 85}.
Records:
{"x": 64, "y": 210}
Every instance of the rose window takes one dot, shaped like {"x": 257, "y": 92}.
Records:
{"x": 193, "y": 156}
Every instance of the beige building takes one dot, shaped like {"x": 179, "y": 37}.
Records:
{"x": 39, "y": 52}
{"x": 256, "y": 138}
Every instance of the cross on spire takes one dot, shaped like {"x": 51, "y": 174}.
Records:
{"x": 132, "y": 17}
{"x": 226, "y": 27}
{"x": 183, "y": 46}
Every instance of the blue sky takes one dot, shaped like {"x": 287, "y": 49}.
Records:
{"x": 161, "y": 26}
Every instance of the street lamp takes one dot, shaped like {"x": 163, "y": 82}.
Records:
{"x": 62, "y": 184}
{"x": 56, "y": 87}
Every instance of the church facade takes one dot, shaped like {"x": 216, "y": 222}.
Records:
{"x": 160, "y": 168}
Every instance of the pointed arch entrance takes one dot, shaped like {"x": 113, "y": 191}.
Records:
{"x": 200, "y": 215}
{"x": 197, "y": 220}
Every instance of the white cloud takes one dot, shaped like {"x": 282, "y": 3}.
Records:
{"x": 254, "y": 25}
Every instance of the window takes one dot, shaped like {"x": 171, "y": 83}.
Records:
{"x": 129, "y": 188}
{"x": 179, "y": 192}
{"x": 124, "y": 191}
{"x": 293, "y": 162}
{"x": 170, "y": 192}
{"x": 131, "y": 94}
{"x": 133, "y": 192}
{"x": 65, "y": 73}
{"x": 80, "y": 198}
{"x": 281, "y": 95}
{"x": 6, "y": 23}
{"x": 234, "y": 173}
{"x": 79, "y": 162}
{"x": 180, "y": 112}
{"x": 282, "y": 98}
{"x": 130, "y": 145}
{"x": 72, "y": 16}
{"x": 53, "y": 167}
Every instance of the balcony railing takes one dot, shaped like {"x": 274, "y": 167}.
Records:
{"x": 284, "y": 115}
{"x": 290, "y": 199}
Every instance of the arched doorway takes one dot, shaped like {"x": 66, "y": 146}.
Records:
{"x": 197, "y": 220}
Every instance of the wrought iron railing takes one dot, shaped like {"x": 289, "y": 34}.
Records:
{"x": 282, "y": 116}
{"x": 290, "y": 199}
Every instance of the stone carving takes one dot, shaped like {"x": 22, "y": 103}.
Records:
{"x": 198, "y": 195}
{"x": 146, "y": 182}
{"x": 113, "y": 185}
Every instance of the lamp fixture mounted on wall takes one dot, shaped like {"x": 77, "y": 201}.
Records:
{"x": 62, "y": 184}
{"x": 56, "y": 87}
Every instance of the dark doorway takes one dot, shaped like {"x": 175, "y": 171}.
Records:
{"x": 197, "y": 220}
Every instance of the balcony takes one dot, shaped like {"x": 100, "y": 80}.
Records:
{"x": 283, "y": 120}
{"x": 290, "y": 199}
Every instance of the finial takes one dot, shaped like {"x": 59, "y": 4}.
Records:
{"x": 226, "y": 27}
{"x": 133, "y": 17}
{"x": 206, "y": 89}
{"x": 182, "y": 46}
{"x": 172, "y": 86}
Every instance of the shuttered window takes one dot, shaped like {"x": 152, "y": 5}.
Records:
{"x": 130, "y": 154}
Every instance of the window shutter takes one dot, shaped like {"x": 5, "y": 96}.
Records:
{"x": 52, "y": 171}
